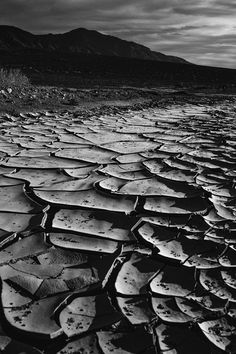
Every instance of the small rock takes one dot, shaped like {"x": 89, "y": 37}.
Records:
{"x": 3, "y": 92}
{"x": 9, "y": 90}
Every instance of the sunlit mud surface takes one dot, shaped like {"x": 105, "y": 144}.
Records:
{"x": 118, "y": 232}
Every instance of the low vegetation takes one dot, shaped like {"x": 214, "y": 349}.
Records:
{"x": 13, "y": 78}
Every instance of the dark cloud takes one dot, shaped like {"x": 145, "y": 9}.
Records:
{"x": 202, "y": 31}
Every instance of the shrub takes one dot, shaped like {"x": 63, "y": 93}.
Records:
{"x": 13, "y": 78}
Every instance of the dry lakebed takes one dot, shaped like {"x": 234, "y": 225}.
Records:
{"x": 118, "y": 229}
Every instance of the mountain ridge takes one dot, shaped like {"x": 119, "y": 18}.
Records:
{"x": 78, "y": 41}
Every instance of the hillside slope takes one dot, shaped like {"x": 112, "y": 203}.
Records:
{"x": 78, "y": 41}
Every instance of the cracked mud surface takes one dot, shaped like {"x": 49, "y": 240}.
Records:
{"x": 118, "y": 231}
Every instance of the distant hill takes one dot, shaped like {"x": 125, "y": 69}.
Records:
{"x": 82, "y": 58}
{"x": 79, "y": 41}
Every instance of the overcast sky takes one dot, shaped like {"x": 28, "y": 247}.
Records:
{"x": 201, "y": 31}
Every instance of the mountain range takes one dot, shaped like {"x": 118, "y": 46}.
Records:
{"x": 78, "y": 41}
{"x": 82, "y": 58}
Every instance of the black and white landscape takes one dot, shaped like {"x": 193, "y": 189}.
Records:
{"x": 117, "y": 195}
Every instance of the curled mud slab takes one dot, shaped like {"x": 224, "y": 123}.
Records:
{"x": 118, "y": 231}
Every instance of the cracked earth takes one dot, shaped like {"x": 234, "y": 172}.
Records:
{"x": 118, "y": 231}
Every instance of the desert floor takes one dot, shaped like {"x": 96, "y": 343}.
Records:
{"x": 117, "y": 222}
